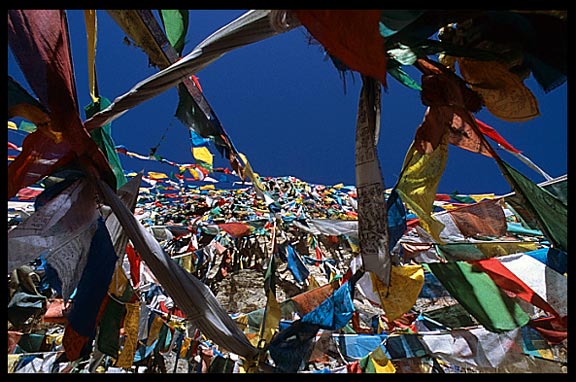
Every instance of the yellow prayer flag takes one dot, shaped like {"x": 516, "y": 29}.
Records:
{"x": 313, "y": 282}
{"x": 419, "y": 181}
{"x": 126, "y": 357}
{"x": 185, "y": 346}
{"x": 503, "y": 92}
{"x": 271, "y": 321}
{"x": 479, "y": 197}
{"x": 12, "y": 125}
{"x": 187, "y": 263}
{"x": 195, "y": 174}
{"x": 380, "y": 362}
{"x": 12, "y": 360}
{"x": 208, "y": 187}
{"x": 154, "y": 331}
{"x": 119, "y": 281}
{"x": 157, "y": 175}
{"x": 502, "y": 249}
{"x": 203, "y": 155}
{"x": 91, "y": 32}
{"x": 254, "y": 178}
{"x": 406, "y": 282}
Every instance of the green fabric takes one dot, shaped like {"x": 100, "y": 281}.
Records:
{"x": 109, "y": 331}
{"x": 452, "y": 316}
{"x": 461, "y": 198}
{"x": 519, "y": 229}
{"x": 111, "y": 322}
{"x": 464, "y": 251}
{"x": 31, "y": 342}
{"x": 189, "y": 113}
{"x": 392, "y": 21}
{"x": 24, "y": 305}
{"x": 402, "y": 77}
{"x": 176, "y": 26}
{"x": 164, "y": 338}
{"x": 26, "y": 126}
{"x": 550, "y": 212}
{"x": 220, "y": 364}
{"x": 103, "y": 138}
{"x": 480, "y": 296}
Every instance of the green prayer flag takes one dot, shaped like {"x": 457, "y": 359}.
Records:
{"x": 109, "y": 328}
{"x": 176, "y": 26}
{"x": 103, "y": 138}
{"x": 480, "y": 296}
{"x": 550, "y": 212}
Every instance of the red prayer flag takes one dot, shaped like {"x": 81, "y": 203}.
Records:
{"x": 39, "y": 41}
{"x": 353, "y": 36}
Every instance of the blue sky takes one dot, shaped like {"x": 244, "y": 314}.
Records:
{"x": 286, "y": 107}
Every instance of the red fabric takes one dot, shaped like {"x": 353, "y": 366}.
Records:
{"x": 309, "y": 300}
{"x": 174, "y": 311}
{"x": 493, "y": 134}
{"x": 443, "y": 197}
{"x": 13, "y": 339}
{"x": 353, "y": 36}
{"x": 553, "y": 329}
{"x": 356, "y": 325}
{"x": 236, "y": 229}
{"x": 508, "y": 281}
{"x": 318, "y": 255}
{"x": 54, "y": 312}
{"x": 484, "y": 218}
{"x": 354, "y": 368}
{"x": 73, "y": 343}
{"x": 407, "y": 321}
{"x": 12, "y": 146}
{"x": 134, "y": 260}
{"x": 28, "y": 193}
{"x": 40, "y": 43}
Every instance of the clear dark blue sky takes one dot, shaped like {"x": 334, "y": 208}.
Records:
{"x": 286, "y": 107}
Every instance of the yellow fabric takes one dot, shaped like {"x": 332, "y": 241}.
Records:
{"x": 38, "y": 117}
{"x": 195, "y": 173}
{"x": 419, "y": 181}
{"x": 254, "y": 178}
{"x": 207, "y": 187}
{"x": 546, "y": 354}
{"x": 185, "y": 346}
{"x": 272, "y": 320}
{"x": 55, "y": 339}
{"x": 12, "y": 125}
{"x": 380, "y": 362}
{"x": 12, "y": 360}
{"x": 154, "y": 330}
{"x": 187, "y": 263}
{"x": 242, "y": 322}
{"x": 479, "y": 197}
{"x": 248, "y": 366}
{"x": 90, "y": 20}
{"x": 119, "y": 281}
{"x": 353, "y": 247}
{"x": 503, "y": 249}
{"x": 203, "y": 155}
{"x": 503, "y": 92}
{"x": 406, "y": 282}
{"x": 126, "y": 357}
{"x": 157, "y": 175}
{"x": 313, "y": 283}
